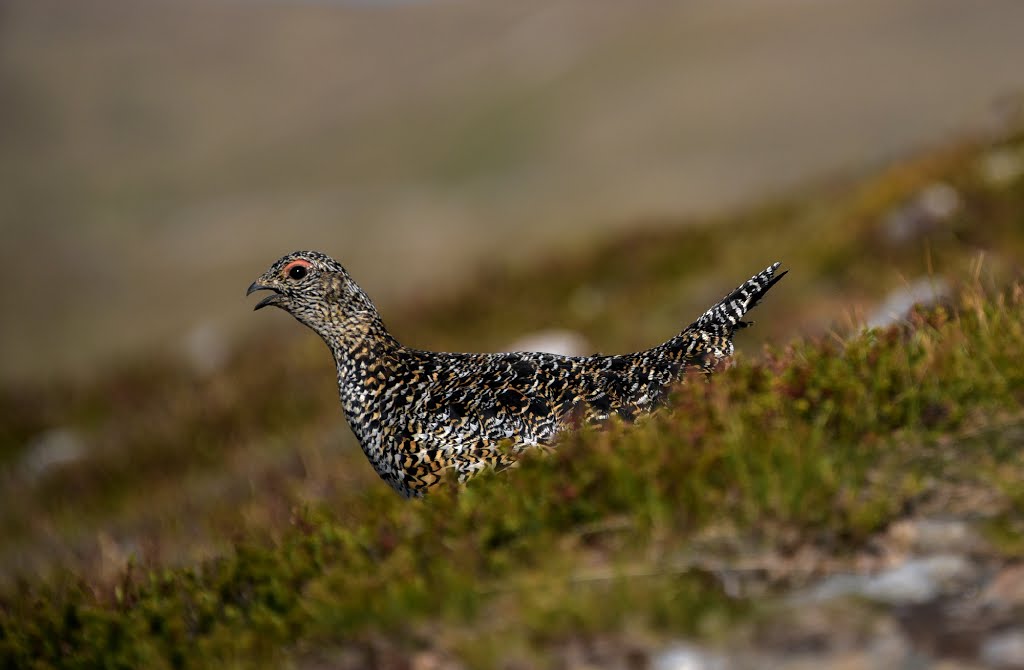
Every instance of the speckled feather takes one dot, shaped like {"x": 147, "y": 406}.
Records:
{"x": 418, "y": 414}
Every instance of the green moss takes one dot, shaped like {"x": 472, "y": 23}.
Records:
{"x": 823, "y": 441}
{"x": 826, "y": 441}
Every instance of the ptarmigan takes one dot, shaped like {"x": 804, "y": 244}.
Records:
{"x": 419, "y": 413}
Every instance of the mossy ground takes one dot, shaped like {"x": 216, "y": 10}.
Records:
{"x": 216, "y": 522}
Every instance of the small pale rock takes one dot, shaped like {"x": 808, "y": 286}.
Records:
{"x": 54, "y": 448}
{"x": 903, "y": 224}
{"x": 917, "y": 581}
{"x": 205, "y": 348}
{"x": 932, "y": 206}
{"x": 1001, "y": 167}
{"x": 913, "y": 582}
{"x": 681, "y": 656}
{"x": 564, "y": 342}
{"x": 923, "y": 291}
{"x": 939, "y": 201}
{"x": 1004, "y": 650}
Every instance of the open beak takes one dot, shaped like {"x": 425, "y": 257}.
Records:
{"x": 272, "y": 299}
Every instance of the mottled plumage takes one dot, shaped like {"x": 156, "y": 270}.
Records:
{"x": 420, "y": 413}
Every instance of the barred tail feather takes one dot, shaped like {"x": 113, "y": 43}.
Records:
{"x": 708, "y": 340}
{"x": 726, "y": 316}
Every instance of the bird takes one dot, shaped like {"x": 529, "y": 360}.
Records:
{"x": 420, "y": 414}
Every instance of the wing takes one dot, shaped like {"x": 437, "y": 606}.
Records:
{"x": 475, "y": 411}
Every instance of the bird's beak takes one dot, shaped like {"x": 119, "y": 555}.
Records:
{"x": 272, "y": 299}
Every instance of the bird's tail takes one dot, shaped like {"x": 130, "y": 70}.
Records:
{"x": 727, "y": 315}
{"x": 710, "y": 336}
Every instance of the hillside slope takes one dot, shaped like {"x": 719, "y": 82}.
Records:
{"x": 862, "y": 487}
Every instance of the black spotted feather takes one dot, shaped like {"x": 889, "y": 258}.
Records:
{"x": 418, "y": 414}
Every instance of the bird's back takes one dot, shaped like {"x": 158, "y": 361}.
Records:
{"x": 418, "y": 414}
{"x": 456, "y": 411}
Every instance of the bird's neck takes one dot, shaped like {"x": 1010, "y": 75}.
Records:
{"x": 353, "y": 330}
{"x": 359, "y": 339}
{"x": 367, "y": 358}
{"x": 352, "y": 327}
{"x": 365, "y": 353}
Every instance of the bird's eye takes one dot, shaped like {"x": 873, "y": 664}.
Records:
{"x": 297, "y": 272}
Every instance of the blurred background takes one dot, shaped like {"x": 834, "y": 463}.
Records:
{"x": 489, "y": 172}
{"x": 157, "y": 156}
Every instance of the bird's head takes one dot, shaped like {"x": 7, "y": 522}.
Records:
{"x": 312, "y": 287}
{"x": 300, "y": 279}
